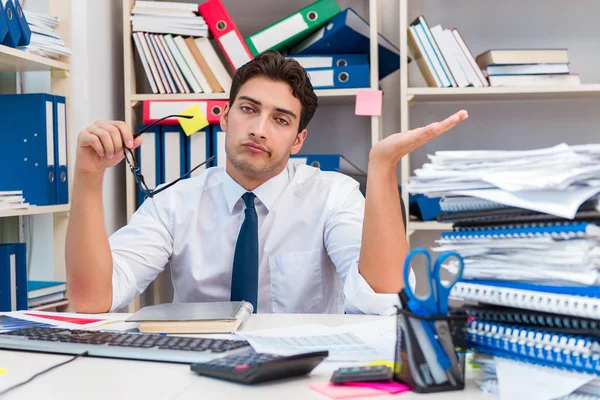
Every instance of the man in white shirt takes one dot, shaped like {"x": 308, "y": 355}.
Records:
{"x": 287, "y": 238}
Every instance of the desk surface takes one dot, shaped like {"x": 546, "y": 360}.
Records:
{"x": 98, "y": 378}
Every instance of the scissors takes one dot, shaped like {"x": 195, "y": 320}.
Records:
{"x": 435, "y": 303}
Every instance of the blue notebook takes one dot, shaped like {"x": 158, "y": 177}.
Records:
{"x": 566, "y": 230}
{"x": 576, "y": 353}
{"x": 581, "y": 301}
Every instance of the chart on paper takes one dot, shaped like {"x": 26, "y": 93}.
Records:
{"x": 342, "y": 346}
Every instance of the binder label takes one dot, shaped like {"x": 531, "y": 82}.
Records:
{"x": 321, "y": 78}
{"x": 198, "y": 151}
{"x": 62, "y": 135}
{"x": 287, "y": 28}
{"x": 13, "y": 282}
{"x": 235, "y": 49}
{"x": 49, "y": 134}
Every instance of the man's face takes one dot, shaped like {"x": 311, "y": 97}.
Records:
{"x": 262, "y": 127}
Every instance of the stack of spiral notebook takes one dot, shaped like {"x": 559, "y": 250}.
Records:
{"x": 533, "y": 275}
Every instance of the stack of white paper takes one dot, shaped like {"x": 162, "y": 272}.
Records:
{"x": 11, "y": 200}
{"x": 555, "y": 180}
{"x": 168, "y": 17}
{"x": 44, "y": 40}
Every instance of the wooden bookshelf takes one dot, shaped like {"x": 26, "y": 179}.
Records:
{"x": 34, "y": 211}
{"x": 15, "y": 60}
{"x": 133, "y": 97}
{"x": 413, "y": 95}
{"x": 329, "y": 96}
{"x": 422, "y": 94}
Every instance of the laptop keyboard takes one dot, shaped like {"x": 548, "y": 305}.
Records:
{"x": 136, "y": 340}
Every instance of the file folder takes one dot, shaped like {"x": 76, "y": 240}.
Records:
{"x": 13, "y": 35}
{"x": 154, "y": 110}
{"x": 27, "y": 131}
{"x": 289, "y": 31}
{"x": 3, "y": 23}
{"x": 345, "y": 33}
{"x": 198, "y": 150}
{"x": 61, "y": 150}
{"x": 351, "y": 76}
{"x": 173, "y": 163}
{"x": 23, "y": 25}
{"x": 13, "y": 277}
{"x": 217, "y": 144}
{"x": 149, "y": 160}
{"x": 225, "y": 32}
{"x": 329, "y": 60}
{"x": 328, "y": 162}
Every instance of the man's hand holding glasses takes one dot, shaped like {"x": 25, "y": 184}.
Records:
{"x": 105, "y": 143}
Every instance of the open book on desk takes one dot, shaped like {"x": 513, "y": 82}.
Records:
{"x": 217, "y": 317}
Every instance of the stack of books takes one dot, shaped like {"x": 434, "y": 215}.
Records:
{"x": 44, "y": 40}
{"x": 529, "y": 236}
{"x": 43, "y": 295}
{"x": 10, "y": 200}
{"x": 527, "y": 67}
{"x": 171, "y": 40}
{"x": 443, "y": 56}
{"x": 330, "y": 43}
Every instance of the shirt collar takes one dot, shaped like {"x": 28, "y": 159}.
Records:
{"x": 267, "y": 193}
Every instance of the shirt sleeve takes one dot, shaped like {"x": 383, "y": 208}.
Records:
{"x": 343, "y": 236}
{"x": 141, "y": 250}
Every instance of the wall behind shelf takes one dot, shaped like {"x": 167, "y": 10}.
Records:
{"x": 98, "y": 87}
{"x": 513, "y": 125}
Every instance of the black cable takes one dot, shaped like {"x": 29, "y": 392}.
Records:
{"x": 2, "y": 393}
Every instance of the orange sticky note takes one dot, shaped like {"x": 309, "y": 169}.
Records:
{"x": 194, "y": 124}
{"x": 369, "y": 102}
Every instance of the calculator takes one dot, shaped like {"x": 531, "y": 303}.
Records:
{"x": 362, "y": 374}
{"x": 259, "y": 367}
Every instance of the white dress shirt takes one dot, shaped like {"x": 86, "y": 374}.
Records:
{"x": 309, "y": 233}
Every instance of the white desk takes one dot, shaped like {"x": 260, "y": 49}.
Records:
{"x": 98, "y": 378}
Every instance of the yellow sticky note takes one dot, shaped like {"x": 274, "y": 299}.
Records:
{"x": 3, "y": 371}
{"x": 392, "y": 365}
{"x": 194, "y": 124}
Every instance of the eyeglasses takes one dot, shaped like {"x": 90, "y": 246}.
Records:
{"x": 135, "y": 167}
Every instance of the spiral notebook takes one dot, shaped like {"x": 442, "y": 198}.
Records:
{"x": 467, "y": 203}
{"x": 576, "y": 353}
{"x": 566, "y": 230}
{"x": 511, "y": 216}
{"x": 577, "y": 301}
{"x": 534, "y": 319}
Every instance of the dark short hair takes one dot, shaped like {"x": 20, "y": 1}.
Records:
{"x": 275, "y": 66}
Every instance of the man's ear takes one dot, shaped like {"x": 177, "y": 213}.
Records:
{"x": 223, "y": 119}
{"x": 299, "y": 141}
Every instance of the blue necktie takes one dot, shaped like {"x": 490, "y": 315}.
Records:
{"x": 244, "y": 281}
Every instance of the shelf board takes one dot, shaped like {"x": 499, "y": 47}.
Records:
{"x": 34, "y": 210}
{"x": 14, "y": 60}
{"x": 328, "y": 96}
{"x": 503, "y": 93}
{"x": 428, "y": 226}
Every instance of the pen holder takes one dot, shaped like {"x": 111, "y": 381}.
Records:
{"x": 430, "y": 352}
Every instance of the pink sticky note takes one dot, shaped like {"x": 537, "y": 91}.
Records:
{"x": 345, "y": 392}
{"x": 368, "y": 102}
{"x": 390, "y": 387}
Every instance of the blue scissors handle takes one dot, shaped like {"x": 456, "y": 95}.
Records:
{"x": 427, "y": 304}
{"x": 443, "y": 291}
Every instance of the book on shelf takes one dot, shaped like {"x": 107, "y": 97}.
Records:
{"x": 444, "y": 60}
{"x": 211, "y": 317}
{"x": 171, "y": 40}
{"x": 443, "y": 56}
